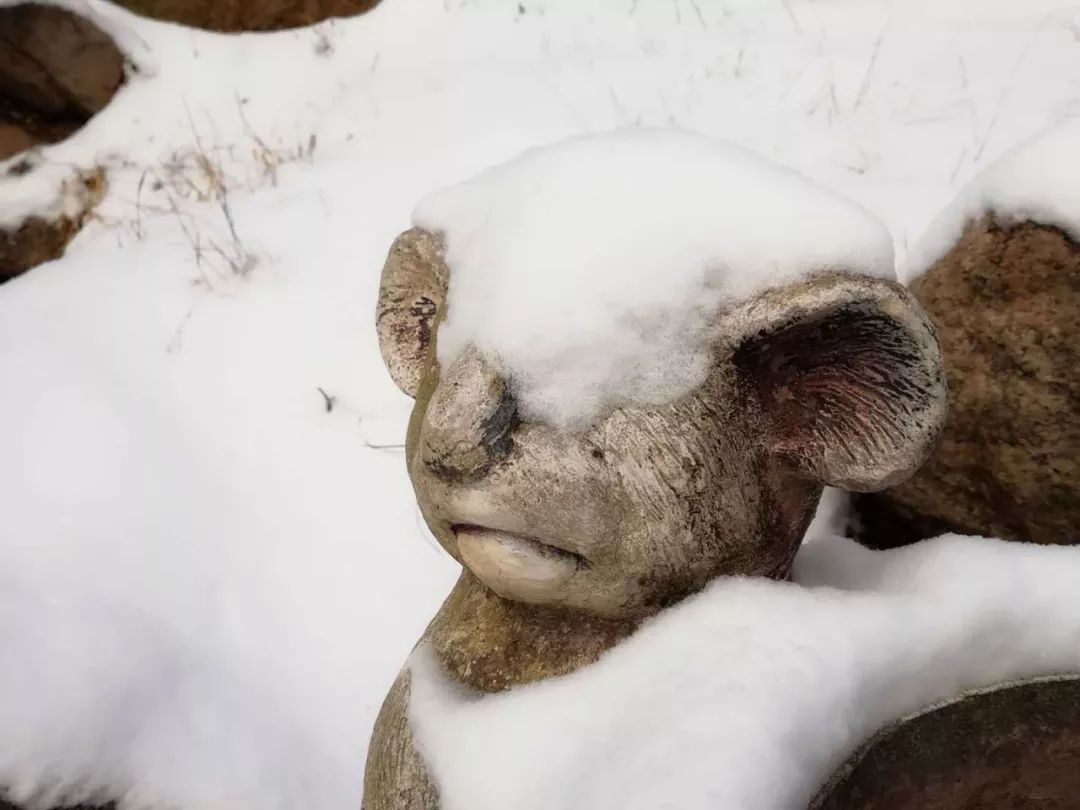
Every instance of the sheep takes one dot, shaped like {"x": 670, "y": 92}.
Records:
{"x": 569, "y": 539}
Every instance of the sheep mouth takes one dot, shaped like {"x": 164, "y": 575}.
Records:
{"x": 525, "y": 543}
{"x": 518, "y": 567}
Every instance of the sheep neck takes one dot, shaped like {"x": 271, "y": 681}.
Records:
{"x": 492, "y": 644}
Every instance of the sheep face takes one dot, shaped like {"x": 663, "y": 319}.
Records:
{"x": 837, "y": 381}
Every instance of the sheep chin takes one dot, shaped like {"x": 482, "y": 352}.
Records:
{"x": 517, "y": 567}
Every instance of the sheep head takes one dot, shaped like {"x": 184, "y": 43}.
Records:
{"x": 835, "y": 380}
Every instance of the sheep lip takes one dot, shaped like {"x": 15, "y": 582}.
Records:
{"x": 532, "y": 543}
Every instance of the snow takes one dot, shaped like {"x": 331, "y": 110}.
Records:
{"x": 194, "y": 548}
{"x": 832, "y": 516}
{"x": 593, "y": 270}
{"x": 208, "y": 579}
{"x": 1038, "y": 180}
{"x": 751, "y": 693}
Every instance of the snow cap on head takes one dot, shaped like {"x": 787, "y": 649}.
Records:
{"x": 592, "y": 270}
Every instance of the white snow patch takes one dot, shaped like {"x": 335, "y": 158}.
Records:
{"x": 593, "y": 270}
{"x": 1038, "y": 180}
{"x": 832, "y": 515}
{"x": 750, "y": 694}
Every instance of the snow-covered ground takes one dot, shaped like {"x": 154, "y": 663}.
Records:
{"x": 750, "y": 694}
{"x": 211, "y": 563}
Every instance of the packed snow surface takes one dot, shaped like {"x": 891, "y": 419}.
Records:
{"x": 593, "y": 270}
{"x": 1038, "y": 180}
{"x": 750, "y": 694}
{"x": 211, "y": 561}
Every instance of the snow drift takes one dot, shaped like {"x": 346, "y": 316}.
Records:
{"x": 750, "y": 694}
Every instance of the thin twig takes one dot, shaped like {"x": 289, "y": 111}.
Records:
{"x": 327, "y": 399}
{"x": 138, "y": 205}
{"x": 869, "y": 71}
{"x": 791, "y": 14}
{"x": 701, "y": 17}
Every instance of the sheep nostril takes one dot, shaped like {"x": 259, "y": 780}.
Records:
{"x": 497, "y": 431}
{"x": 470, "y": 421}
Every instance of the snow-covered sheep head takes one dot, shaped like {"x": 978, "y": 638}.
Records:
{"x": 702, "y": 451}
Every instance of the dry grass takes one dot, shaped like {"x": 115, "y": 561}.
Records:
{"x": 209, "y": 173}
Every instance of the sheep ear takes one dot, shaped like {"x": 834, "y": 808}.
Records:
{"x": 411, "y": 293}
{"x": 849, "y": 375}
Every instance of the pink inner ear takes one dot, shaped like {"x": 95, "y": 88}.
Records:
{"x": 846, "y": 395}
